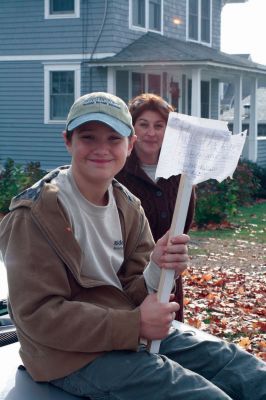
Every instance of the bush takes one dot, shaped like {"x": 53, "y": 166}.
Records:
{"x": 260, "y": 176}
{"x": 14, "y": 178}
{"x": 247, "y": 182}
{"x": 217, "y": 202}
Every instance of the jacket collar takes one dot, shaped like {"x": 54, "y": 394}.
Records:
{"x": 133, "y": 167}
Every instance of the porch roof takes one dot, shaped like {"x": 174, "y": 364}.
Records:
{"x": 155, "y": 49}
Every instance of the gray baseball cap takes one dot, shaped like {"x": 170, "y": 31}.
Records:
{"x": 102, "y": 107}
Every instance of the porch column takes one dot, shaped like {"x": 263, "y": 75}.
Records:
{"x": 253, "y": 122}
{"x": 195, "y": 93}
{"x": 237, "y": 105}
{"x": 111, "y": 83}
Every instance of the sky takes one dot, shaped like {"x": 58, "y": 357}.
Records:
{"x": 243, "y": 29}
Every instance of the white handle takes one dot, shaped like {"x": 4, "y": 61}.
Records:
{"x": 177, "y": 228}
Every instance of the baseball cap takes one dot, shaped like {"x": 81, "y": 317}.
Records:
{"x": 102, "y": 107}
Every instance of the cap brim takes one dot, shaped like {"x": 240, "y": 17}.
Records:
{"x": 114, "y": 123}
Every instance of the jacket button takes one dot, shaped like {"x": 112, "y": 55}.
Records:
{"x": 159, "y": 193}
{"x": 163, "y": 214}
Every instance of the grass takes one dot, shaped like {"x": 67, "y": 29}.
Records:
{"x": 249, "y": 223}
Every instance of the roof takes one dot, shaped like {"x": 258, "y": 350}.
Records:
{"x": 153, "y": 48}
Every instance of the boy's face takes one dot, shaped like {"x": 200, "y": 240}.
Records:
{"x": 98, "y": 153}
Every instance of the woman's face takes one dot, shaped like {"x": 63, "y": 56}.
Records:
{"x": 149, "y": 128}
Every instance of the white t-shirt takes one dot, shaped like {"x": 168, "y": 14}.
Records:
{"x": 150, "y": 170}
{"x": 97, "y": 229}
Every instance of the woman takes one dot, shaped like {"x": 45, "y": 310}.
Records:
{"x": 158, "y": 196}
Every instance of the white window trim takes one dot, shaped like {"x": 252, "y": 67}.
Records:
{"x": 75, "y": 14}
{"x": 58, "y": 67}
{"x": 146, "y": 28}
{"x": 130, "y": 19}
{"x": 199, "y": 24}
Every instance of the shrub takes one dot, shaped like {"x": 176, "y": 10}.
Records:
{"x": 14, "y": 178}
{"x": 260, "y": 178}
{"x": 248, "y": 183}
{"x": 217, "y": 202}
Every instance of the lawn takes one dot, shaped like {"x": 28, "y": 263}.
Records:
{"x": 248, "y": 224}
{"x": 225, "y": 284}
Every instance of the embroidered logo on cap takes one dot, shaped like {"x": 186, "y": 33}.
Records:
{"x": 101, "y": 100}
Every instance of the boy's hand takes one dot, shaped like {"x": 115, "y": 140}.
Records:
{"x": 173, "y": 255}
{"x": 156, "y": 317}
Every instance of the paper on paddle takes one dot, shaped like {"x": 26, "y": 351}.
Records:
{"x": 200, "y": 148}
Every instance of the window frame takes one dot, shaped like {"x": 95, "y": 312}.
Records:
{"x": 47, "y": 94}
{"x": 145, "y": 76}
{"x": 49, "y": 15}
{"x": 200, "y": 19}
{"x": 146, "y": 26}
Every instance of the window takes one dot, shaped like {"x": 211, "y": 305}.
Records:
{"x": 155, "y": 15}
{"x": 204, "y": 98}
{"x": 147, "y": 14}
{"x": 199, "y": 20}
{"x": 61, "y": 93}
{"x": 138, "y": 13}
{"x": 205, "y": 21}
{"x": 154, "y": 84}
{"x": 138, "y": 83}
{"x": 131, "y": 84}
{"x": 193, "y": 19}
{"x": 261, "y": 130}
{"x": 62, "y": 8}
{"x": 122, "y": 79}
{"x": 62, "y": 87}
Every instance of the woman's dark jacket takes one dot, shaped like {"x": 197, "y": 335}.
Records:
{"x": 158, "y": 200}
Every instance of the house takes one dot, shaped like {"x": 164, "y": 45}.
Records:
{"x": 227, "y": 91}
{"x": 228, "y": 115}
{"x": 52, "y": 51}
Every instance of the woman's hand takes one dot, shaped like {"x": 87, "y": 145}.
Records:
{"x": 172, "y": 255}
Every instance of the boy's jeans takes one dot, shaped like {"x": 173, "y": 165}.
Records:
{"x": 186, "y": 368}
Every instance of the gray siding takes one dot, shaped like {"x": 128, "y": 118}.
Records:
{"x": 35, "y": 35}
{"x": 118, "y": 34}
{"x": 94, "y": 80}
{"x": 25, "y": 32}
{"x": 173, "y": 8}
{"x": 23, "y": 135}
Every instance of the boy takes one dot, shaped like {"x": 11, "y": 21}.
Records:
{"x": 75, "y": 246}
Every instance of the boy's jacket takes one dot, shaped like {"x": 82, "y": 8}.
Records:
{"x": 65, "y": 320}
